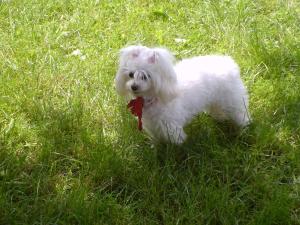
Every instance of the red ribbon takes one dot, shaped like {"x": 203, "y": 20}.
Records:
{"x": 136, "y": 108}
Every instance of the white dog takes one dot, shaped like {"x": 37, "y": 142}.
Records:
{"x": 173, "y": 95}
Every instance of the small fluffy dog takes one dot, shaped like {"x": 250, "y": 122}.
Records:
{"x": 173, "y": 94}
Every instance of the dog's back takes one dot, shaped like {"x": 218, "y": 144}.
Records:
{"x": 189, "y": 70}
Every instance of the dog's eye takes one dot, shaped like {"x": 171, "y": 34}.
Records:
{"x": 144, "y": 77}
{"x": 131, "y": 74}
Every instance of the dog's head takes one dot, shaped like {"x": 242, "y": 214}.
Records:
{"x": 146, "y": 72}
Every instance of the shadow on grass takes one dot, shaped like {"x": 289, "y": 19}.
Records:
{"x": 72, "y": 171}
{"x": 220, "y": 171}
{"x": 79, "y": 175}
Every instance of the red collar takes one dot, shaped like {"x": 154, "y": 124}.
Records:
{"x": 136, "y": 107}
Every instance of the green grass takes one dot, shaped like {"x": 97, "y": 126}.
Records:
{"x": 70, "y": 152}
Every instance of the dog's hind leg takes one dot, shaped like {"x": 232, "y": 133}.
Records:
{"x": 239, "y": 113}
{"x": 217, "y": 113}
{"x": 240, "y": 117}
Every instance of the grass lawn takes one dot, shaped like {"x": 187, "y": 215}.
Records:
{"x": 70, "y": 152}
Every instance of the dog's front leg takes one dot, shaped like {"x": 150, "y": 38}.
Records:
{"x": 173, "y": 133}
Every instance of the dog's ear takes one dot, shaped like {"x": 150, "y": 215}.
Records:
{"x": 152, "y": 58}
{"x": 160, "y": 53}
{"x": 166, "y": 83}
{"x": 120, "y": 83}
{"x": 120, "y": 79}
{"x": 131, "y": 52}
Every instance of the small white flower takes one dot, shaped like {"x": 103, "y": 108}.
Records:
{"x": 180, "y": 40}
{"x": 76, "y": 52}
{"x": 83, "y": 57}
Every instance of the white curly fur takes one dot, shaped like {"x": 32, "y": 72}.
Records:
{"x": 174, "y": 94}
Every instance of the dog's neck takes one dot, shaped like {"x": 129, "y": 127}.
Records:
{"x": 149, "y": 101}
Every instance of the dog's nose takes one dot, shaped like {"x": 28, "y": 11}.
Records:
{"x": 134, "y": 87}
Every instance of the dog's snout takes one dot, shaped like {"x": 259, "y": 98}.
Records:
{"x": 134, "y": 87}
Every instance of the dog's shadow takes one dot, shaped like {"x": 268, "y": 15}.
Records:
{"x": 204, "y": 133}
